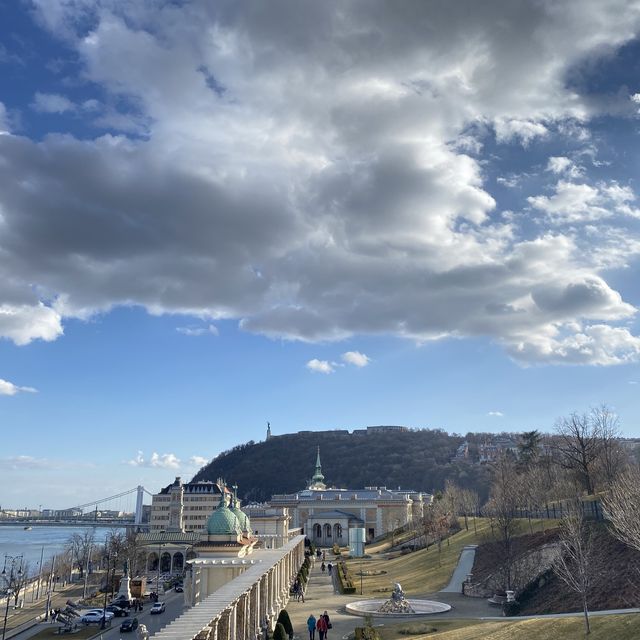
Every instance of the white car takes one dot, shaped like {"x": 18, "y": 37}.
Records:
{"x": 96, "y": 616}
{"x": 158, "y": 607}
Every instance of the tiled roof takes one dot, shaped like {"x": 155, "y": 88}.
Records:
{"x": 157, "y": 537}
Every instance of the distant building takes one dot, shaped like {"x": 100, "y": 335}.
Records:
{"x": 326, "y": 515}
{"x": 184, "y": 507}
{"x": 462, "y": 453}
{"x": 489, "y": 451}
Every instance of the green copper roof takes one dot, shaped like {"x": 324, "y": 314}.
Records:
{"x": 317, "y": 476}
{"x": 243, "y": 518}
{"x": 223, "y": 521}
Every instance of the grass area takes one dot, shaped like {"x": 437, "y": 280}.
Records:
{"x": 424, "y": 571}
{"x": 82, "y": 633}
{"x": 620, "y": 627}
{"x": 390, "y": 540}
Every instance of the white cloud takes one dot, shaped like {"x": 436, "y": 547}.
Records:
{"x": 198, "y": 461}
{"x": 4, "y": 120}
{"x": 496, "y": 414}
{"x": 27, "y": 462}
{"x": 523, "y": 130}
{"x": 562, "y": 164}
{"x": 24, "y": 323}
{"x": 10, "y": 389}
{"x": 210, "y": 329}
{"x": 320, "y": 366}
{"x": 600, "y": 345}
{"x": 356, "y": 358}
{"x": 574, "y": 202}
{"x": 51, "y": 103}
{"x": 158, "y": 461}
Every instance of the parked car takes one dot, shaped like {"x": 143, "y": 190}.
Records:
{"x": 118, "y": 611}
{"x": 179, "y": 588}
{"x": 158, "y": 607}
{"x": 121, "y": 601}
{"x": 130, "y": 624}
{"x": 96, "y": 616}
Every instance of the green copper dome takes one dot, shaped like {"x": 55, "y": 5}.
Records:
{"x": 223, "y": 521}
{"x": 243, "y": 518}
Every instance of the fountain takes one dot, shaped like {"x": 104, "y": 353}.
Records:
{"x": 396, "y": 606}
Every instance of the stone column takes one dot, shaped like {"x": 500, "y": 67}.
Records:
{"x": 223, "y": 626}
{"x": 254, "y": 617}
{"x": 213, "y": 634}
{"x": 241, "y": 617}
{"x": 233, "y": 627}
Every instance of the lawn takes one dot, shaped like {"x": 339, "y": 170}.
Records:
{"x": 618, "y": 627}
{"x": 83, "y": 632}
{"x": 424, "y": 571}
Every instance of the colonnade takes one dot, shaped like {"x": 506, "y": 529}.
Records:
{"x": 240, "y": 609}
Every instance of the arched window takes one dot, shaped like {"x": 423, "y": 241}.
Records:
{"x": 327, "y": 530}
{"x": 165, "y": 562}
{"x": 337, "y": 531}
{"x": 178, "y": 563}
{"x": 152, "y": 562}
{"x": 317, "y": 531}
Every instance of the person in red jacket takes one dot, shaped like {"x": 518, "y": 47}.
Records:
{"x": 321, "y": 626}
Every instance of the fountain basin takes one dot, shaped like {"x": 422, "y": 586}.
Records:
{"x": 420, "y": 608}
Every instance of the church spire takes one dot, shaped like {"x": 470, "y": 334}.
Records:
{"x": 318, "y": 478}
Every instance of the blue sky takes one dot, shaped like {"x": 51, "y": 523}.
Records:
{"x": 314, "y": 214}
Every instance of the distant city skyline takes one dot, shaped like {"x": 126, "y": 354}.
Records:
{"x": 214, "y": 215}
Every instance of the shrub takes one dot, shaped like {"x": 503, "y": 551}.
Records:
{"x": 366, "y": 633}
{"x": 279, "y": 633}
{"x": 336, "y": 549}
{"x": 344, "y": 580}
{"x": 510, "y": 609}
{"x": 285, "y": 621}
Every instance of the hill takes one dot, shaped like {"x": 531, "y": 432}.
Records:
{"x": 417, "y": 459}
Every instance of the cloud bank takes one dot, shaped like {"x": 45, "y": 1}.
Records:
{"x": 315, "y": 171}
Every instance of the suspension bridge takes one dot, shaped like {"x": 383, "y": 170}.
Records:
{"x": 124, "y": 509}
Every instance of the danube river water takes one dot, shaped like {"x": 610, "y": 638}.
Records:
{"x": 15, "y": 541}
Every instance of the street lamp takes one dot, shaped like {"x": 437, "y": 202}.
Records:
{"x": 13, "y": 560}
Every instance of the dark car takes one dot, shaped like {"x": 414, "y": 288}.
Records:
{"x": 121, "y": 602}
{"x": 179, "y": 588}
{"x": 118, "y": 611}
{"x": 130, "y": 624}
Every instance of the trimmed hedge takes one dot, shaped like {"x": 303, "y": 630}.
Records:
{"x": 285, "y": 621}
{"x": 344, "y": 579}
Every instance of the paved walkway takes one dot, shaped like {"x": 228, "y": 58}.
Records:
{"x": 463, "y": 568}
{"x": 322, "y": 594}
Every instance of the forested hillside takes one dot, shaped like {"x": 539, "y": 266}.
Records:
{"x": 416, "y": 459}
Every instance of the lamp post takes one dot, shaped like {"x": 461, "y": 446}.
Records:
{"x": 13, "y": 560}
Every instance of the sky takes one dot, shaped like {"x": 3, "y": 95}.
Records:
{"x": 324, "y": 215}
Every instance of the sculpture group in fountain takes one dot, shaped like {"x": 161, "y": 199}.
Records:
{"x": 397, "y": 603}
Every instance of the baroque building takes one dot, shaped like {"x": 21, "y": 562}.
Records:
{"x": 325, "y": 515}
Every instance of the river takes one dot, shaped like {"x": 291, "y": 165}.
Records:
{"x": 15, "y": 540}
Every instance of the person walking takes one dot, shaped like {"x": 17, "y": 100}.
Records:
{"x": 321, "y": 626}
{"x": 311, "y": 625}
{"x": 325, "y": 617}
{"x": 329, "y": 567}
{"x": 322, "y": 566}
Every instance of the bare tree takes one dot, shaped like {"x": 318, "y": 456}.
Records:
{"x": 613, "y": 459}
{"x": 583, "y": 440}
{"x": 622, "y": 507}
{"x": 80, "y": 546}
{"x": 576, "y": 562}
{"x": 501, "y": 509}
